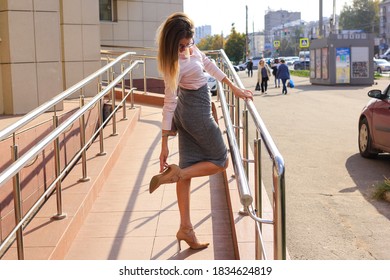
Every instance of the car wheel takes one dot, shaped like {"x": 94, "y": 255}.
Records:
{"x": 379, "y": 70}
{"x": 214, "y": 93}
{"x": 365, "y": 140}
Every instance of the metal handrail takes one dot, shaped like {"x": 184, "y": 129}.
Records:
{"x": 12, "y": 171}
{"x": 34, "y": 151}
{"x": 5, "y": 133}
{"x": 239, "y": 161}
{"x": 110, "y": 54}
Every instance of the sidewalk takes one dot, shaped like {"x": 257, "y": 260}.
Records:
{"x": 126, "y": 222}
{"x": 113, "y": 216}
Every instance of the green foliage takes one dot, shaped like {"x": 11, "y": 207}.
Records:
{"x": 381, "y": 189}
{"x": 300, "y": 73}
{"x": 211, "y": 43}
{"x": 362, "y": 15}
{"x": 235, "y": 46}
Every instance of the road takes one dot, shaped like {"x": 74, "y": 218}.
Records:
{"x": 331, "y": 214}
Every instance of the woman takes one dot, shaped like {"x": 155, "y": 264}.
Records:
{"x": 263, "y": 74}
{"x": 274, "y": 67}
{"x": 187, "y": 105}
{"x": 283, "y": 74}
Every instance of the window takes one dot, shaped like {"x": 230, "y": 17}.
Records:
{"x": 107, "y": 10}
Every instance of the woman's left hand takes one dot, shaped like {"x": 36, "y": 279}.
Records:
{"x": 243, "y": 93}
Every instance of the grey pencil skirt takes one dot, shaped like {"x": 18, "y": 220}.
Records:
{"x": 200, "y": 138}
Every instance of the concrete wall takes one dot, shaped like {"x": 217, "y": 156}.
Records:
{"x": 80, "y": 41}
{"x": 30, "y": 53}
{"x": 46, "y": 46}
{"x": 137, "y": 22}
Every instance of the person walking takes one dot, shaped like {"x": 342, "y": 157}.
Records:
{"x": 263, "y": 74}
{"x": 283, "y": 74}
{"x": 274, "y": 67}
{"x": 187, "y": 106}
{"x": 249, "y": 67}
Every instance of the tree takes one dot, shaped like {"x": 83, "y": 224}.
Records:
{"x": 211, "y": 43}
{"x": 235, "y": 46}
{"x": 363, "y": 15}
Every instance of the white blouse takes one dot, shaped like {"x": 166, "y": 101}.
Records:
{"x": 192, "y": 77}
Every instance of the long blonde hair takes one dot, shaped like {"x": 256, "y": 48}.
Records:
{"x": 176, "y": 27}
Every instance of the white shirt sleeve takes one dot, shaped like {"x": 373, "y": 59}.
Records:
{"x": 170, "y": 102}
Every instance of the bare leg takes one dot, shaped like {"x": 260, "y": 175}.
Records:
{"x": 183, "y": 192}
{"x": 200, "y": 169}
{"x": 183, "y": 186}
{"x": 183, "y": 201}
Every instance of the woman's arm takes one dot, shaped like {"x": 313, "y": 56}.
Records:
{"x": 238, "y": 92}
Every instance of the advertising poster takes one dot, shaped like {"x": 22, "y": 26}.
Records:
{"x": 318, "y": 64}
{"x": 360, "y": 63}
{"x": 343, "y": 65}
{"x": 312, "y": 69}
{"x": 324, "y": 63}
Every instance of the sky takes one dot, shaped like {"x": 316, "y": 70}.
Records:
{"x": 220, "y": 14}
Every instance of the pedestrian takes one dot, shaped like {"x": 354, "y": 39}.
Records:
{"x": 187, "y": 106}
{"x": 263, "y": 75}
{"x": 249, "y": 67}
{"x": 274, "y": 67}
{"x": 283, "y": 74}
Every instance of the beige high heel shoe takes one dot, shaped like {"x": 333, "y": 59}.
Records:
{"x": 188, "y": 235}
{"x": 170, "y": 175}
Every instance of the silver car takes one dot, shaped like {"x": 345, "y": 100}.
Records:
{"x": 381, "y": 65}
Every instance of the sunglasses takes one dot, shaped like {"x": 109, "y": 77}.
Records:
{"x": 189, "y": 45}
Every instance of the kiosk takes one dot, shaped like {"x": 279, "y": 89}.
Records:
{"x": 342, "y": 59}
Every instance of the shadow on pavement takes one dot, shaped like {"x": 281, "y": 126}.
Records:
{"x": 366, "y": 173}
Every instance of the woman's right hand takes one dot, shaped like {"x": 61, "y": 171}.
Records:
{"x": 164, "y": 157}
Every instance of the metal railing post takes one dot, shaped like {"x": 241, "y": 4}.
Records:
{"x": 245, "y": 141}
{"x": 279, "y": 216}
{"x": 60, "y": 215}
{"x": 17, "y": 205}
{"x": 258, "y": 191}
{"x": 85, "y": 178}
{"x": 123, "y": 93}
{"x": 132, "y": 92}
{"x": 100, "y": 123}
{"x": 114, "y": 133}
{"x": 145, "y": 89}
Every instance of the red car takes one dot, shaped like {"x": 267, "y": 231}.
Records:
{"x": 374, "y": 124}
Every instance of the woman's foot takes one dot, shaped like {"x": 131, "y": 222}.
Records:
{"x": 170, "y": 175}
{"x": 188, "y": 235}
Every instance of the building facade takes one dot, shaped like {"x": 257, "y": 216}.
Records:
{"x": 273, "y": 19}
{"x": 47, "y": 46}
{"x": 202, "y": 32}
{"x": 384, "y": 26}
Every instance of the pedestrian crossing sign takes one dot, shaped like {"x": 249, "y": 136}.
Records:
{"x": 304, "y": 42}
{"x": 276, "y": 44}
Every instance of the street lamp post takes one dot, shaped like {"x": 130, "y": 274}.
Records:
{"x": 246, "y": 34}
{"x": 320, "y": 21}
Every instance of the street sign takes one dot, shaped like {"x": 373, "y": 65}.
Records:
{"x": 276, "y": 44}
{"x": 304, "y": 42}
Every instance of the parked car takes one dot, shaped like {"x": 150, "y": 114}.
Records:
{"x": 374, "y": 124}
{"x": 302, "y": 65}
{"x": 211, "y": 83}
{"x": 255, "y": 61}
{"x": 381, "y": 65}
{"x": 242, "y": 66}
{"x": 385, "y": 55}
